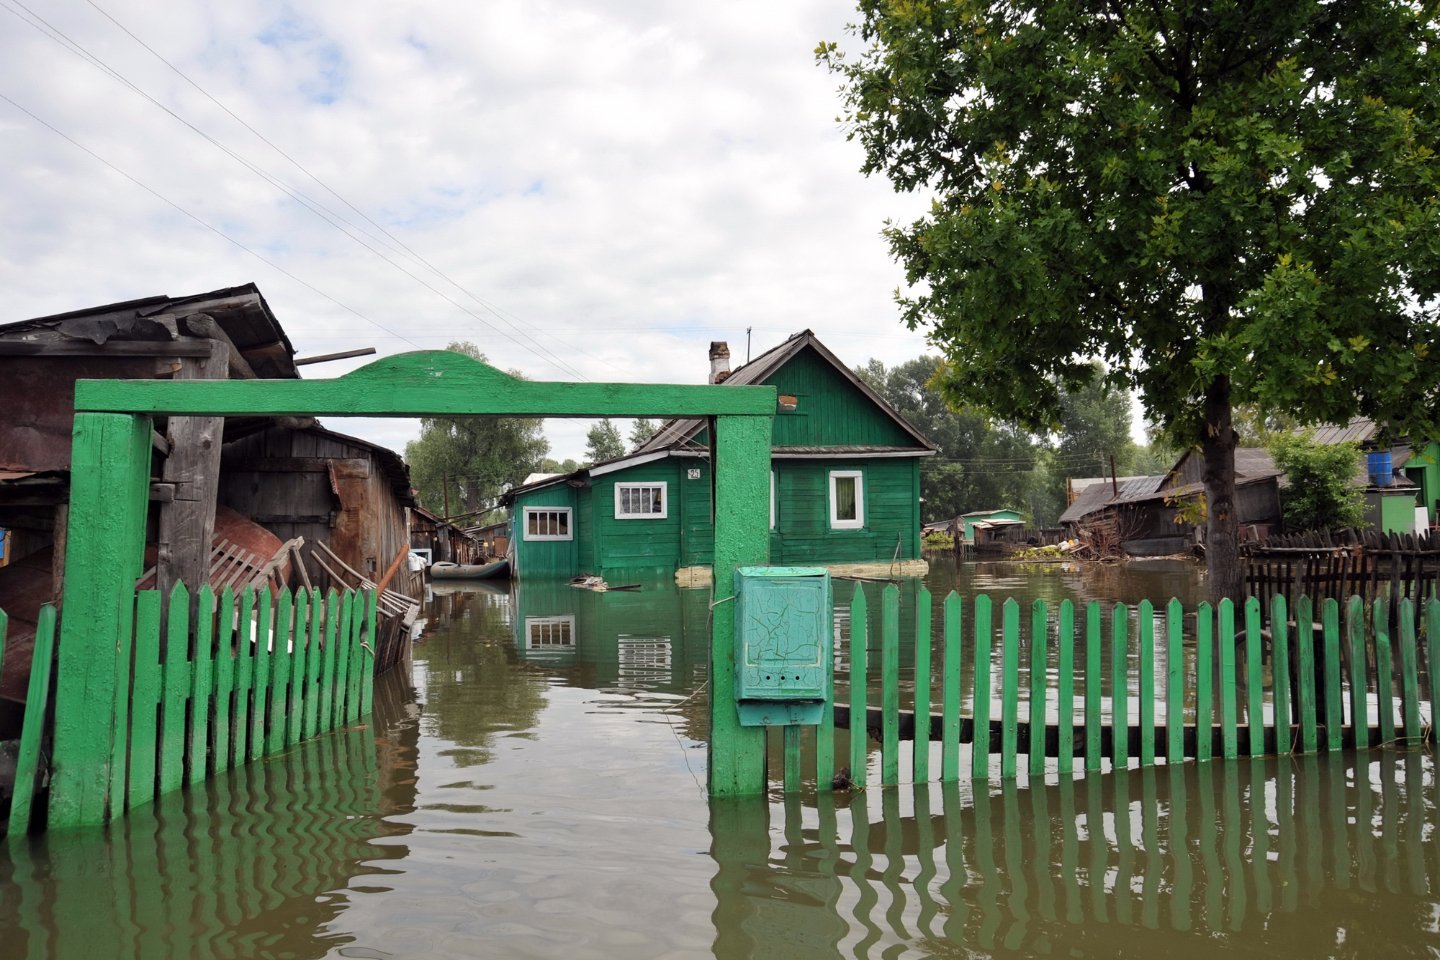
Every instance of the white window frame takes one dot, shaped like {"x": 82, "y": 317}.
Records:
{"x": 774, "y": 489}
{"x": 534, "y": 537}
{"x": 549, "y": 633}
{"x": 661, "y": 485}
{"x": 859, "y": 522}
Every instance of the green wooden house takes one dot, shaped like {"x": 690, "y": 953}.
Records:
{"x": 844, "y": 480}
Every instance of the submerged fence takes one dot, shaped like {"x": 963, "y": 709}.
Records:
{"x": 1127, "y": 689}
{"x": 257, "y": 673}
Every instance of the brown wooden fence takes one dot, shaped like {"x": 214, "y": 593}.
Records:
{"x": 1325, "y": 564}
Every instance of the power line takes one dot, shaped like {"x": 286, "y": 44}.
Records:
{"x": 328, "y": 216}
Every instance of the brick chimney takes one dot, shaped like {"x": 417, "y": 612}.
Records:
{"x": 719, "y": 361}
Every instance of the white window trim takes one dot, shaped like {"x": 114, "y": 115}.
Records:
{"x": 541, "y": 633}
{"x": 774, "y": 489}
{"x": 534, "y": 537}
{"x": 859, "y": 522}
{"x": 664, "y": 488}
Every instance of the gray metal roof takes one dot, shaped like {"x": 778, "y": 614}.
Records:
{"x": 1101, "y": 495}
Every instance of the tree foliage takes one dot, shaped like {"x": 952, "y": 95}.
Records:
{"x": 602, "y": 442}
{"x": 1226, "y": 202}
{"x": 476, "y": 457}
{"x": 1322, "y": 492}
{"x": 642, "y": 429}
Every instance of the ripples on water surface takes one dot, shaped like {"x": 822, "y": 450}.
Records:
{"x": 538, "y": 795}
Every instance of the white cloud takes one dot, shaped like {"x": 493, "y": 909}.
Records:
{"x": 623, "y": 182}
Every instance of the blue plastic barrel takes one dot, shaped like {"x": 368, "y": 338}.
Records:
{"x": 1377, "y": 463}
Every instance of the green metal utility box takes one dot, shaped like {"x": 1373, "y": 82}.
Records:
{"x": 784, "y": 642}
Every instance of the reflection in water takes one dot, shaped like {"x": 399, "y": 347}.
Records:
{"x": 253, "y": 863}
{"x": 1304, "y": 857}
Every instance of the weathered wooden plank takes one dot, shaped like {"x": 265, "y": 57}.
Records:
{"x": 1174, "y": 682}
{"x": 1305, "y": 643}
{"x": 859, "y": 679}
{"x": 890, "y": 684}
{"x": 950, "y": 691}
{"x": 281, "y": 659}
{"x": 980, "y": 700}
{"x": 1334, "y": 721}
{"x": 1409, "y": 670}
{"x": 1254, "y": 680}
{"x": 1204, "y": 682}
{"x": 1094, "y": 720}
{"x": 176, "y": 693}
{"x": 920, "y": 758}
{"x": 187, "y": 523}
{"x": 1384, "y": 673}
{"x": 37, "y": 700}
{"x": 264, "y": 611}
{"x": 424, "y": 383}
{"x": 221, "y": 722}
{"x": 1146, "y": 692}
{"x": 1229, "y": 743}
{"x": 1280, "y": 674}
{"x": 1119, "y": 686}
{"x": 202, "y": 681}
{"x": 104, "y": 553}
{"x": 1065, "y": 700}
{"x": 1039, "y": 688}
{"x": 1009, "y": 687}
{"x": 144, "y": 700}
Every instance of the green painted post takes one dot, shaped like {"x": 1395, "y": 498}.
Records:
{"x": 1334, "y": 721}
{"x": 1065, "y": 699}
{"x": 1305, "y": 637}
{"x": 265, "y": 608}
{"x": 790, "y": 734}
{"x": 299, "y": 667}
{"x": 1009, "y": 688}
{"x": 980, "y": 699}
{"x": 1280, "y": 674}
{"x": 104, "y": 551}
{"x": 1254, "y": 680}
{"x": 890, "y": 685}
{"x": 1094, "y": 683}
{"x": 325, "y": 720}
{"x": 1228, "y": 739}
{"x": 1146, "y": 626}
{"x": 1432, "y": 659}
{"x": 859, "y": 680}
{"x": 202, "y": 680}
{"x": 280, "y": 663}
{"x": 741, "y": 460}
{"x": 176, "y": 690}
{"x": 1409, "y": 670}
{"x": 224, "y": 680}
{"x": 1384, "y": 674}
{"x": 1039, "y": 692}
{"x": 1174, "y": 682}
{"x": 144, "y": 700}
{"x": 244, "y": 676}
{"x": 1120, "y": 686}
{"x": 950, "y": 691}
{"x": 920, "y": 757}
{"x": 1204, "y": 682}
{"x": 367, "y": 690}
{"x": 37, "y": 699}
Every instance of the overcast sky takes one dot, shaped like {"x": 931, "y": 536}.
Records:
{"x": 584, "y": 190}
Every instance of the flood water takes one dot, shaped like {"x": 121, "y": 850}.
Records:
{"x": 534, "y": 788}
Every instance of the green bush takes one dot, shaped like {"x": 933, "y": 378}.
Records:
{"x": 1322, "y": 494}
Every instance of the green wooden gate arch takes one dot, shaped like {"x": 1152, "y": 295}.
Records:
{"x": 110, "y": 476}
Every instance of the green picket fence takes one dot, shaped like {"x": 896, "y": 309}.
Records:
{"x": 259, "y": 673}
{"x": 1121, "y": 686}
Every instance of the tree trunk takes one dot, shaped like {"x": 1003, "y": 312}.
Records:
{"x": 1222, "y": 533}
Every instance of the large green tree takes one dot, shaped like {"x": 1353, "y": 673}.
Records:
{"x": 602, "y": 442}
{"x": 1225, "y": 202}
{"x": 471, "y": 460}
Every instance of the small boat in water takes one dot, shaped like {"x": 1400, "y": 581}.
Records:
{"x": 495, "y": 570}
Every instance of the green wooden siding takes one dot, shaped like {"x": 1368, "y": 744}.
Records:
{"x": 547, "y": 557}
{"x": 829, "y": 411}
{"x": 803, "y": 533}
{"x": 639, "y": 544}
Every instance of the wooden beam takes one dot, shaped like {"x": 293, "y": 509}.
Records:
{"x": 427, "y": 383}
{"x": 204, "y": 325}
{"x": 187, "y": 522}
{"x": 114, "y": 348}
{"x": 342, "y": 355}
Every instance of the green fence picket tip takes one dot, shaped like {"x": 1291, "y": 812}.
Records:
{"x": 1119, "y": 686}
{"x": 1280, "y": 674}
{"x": 1094, "y": 684}
{"x": 202, "y": 683}
{"x": 980, "y": 695}
{"x": 1384, "y": 674}
{"x": 264, "y": 612}
{"x": 1065, "y": 698}
{"x": 1146, "y": 692}
{"x": 280, "y": 659}
{"x": 1204, "y": 682}
{"x": 890, "y": 684}
{"x": 144, "y": 701}
{"x": 1432, "y": 658}
{"x": 1254, "y": 680}
{"x": 1009, "y": 688}
{"x": 1174, "y": 682}
{"x": 1229, "y": 742}
{"x": 920, "y": 758}
{"x": 32, "y": 729}
{"x": 1407, "y": 641}
{"x": 224, "y": 681}
{"x": 1038, "y": 687}
{"x": 1334, "y": 715}
{"x": 1307, "y": 695}
{"x": 244, "y": 677}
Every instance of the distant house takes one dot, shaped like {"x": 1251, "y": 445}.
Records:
{"x": 436, "y": 538}
{"x": 986, "y": 520}
{"x": 845, "y": 484}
